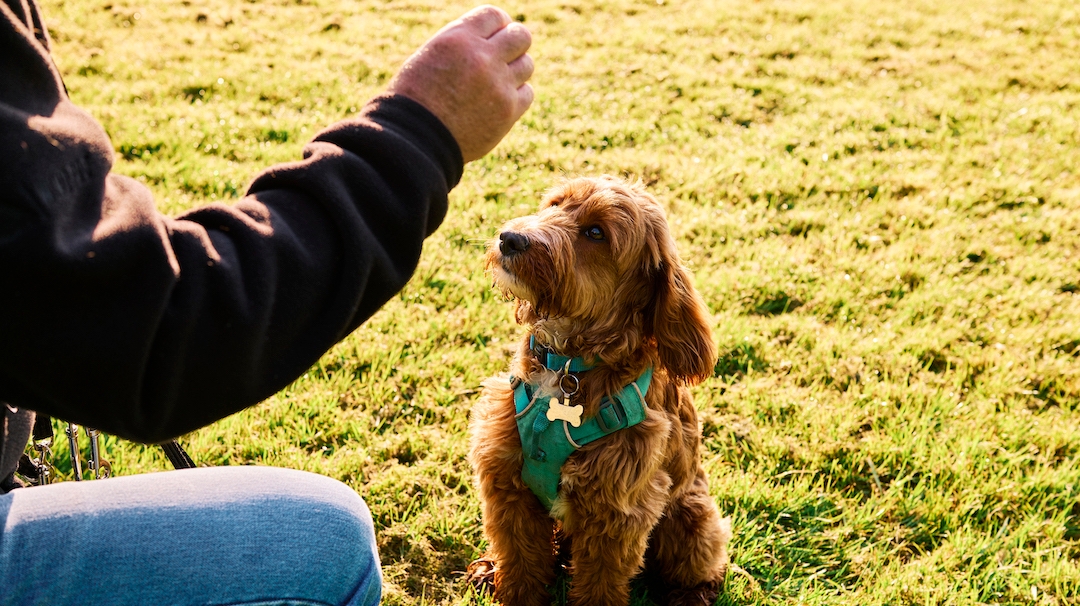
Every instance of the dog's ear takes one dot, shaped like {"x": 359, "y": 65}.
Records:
{"x": 680, "y": 325}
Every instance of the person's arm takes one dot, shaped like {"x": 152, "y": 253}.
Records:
{"x": 115, "y": 316}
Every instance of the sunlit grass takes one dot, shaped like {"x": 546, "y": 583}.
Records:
{"x": 879, "y": 201}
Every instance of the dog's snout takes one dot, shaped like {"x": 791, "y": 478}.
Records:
{"x": 512, "y": 243}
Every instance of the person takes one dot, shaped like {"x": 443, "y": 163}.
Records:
{"x": 117, "y": 317}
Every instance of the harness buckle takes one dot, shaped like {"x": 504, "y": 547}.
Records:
{"x": 611, "y": 416}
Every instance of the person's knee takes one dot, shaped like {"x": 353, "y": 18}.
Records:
{"x": 324, "y": 506}
{"x": 348, "y": 520}
{"x": 207, "y": 535}
{"x": 329, "y": 518}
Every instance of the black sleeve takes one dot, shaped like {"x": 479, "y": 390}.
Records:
{"x": 117, "y": 317}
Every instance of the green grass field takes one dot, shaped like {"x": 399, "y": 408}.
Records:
{"x": 880, "y": 203}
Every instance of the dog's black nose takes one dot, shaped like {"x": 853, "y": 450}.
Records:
{"x": 512, "y": 243}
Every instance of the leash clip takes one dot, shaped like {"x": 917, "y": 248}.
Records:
{"x": 43, "y": 450}
{"x": 98, "y": 465}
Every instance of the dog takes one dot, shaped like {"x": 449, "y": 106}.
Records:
{"x": 616, "y": 334}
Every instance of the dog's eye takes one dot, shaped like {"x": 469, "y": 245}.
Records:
{"x": 594, "y": 233}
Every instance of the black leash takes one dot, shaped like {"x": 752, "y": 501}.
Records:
{"x": 177, "y": 456}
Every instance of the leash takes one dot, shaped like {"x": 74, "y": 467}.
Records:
{"x": 40, "y": 471}
{"x": 177, "y": 455}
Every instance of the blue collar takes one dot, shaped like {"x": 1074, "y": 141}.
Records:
{"x": 556, "y": 362}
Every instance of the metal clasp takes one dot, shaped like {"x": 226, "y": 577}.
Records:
{"x": 101, "y": 468}
{"x": 98, "y": 466}
{"x": 72, "y": 432}
{"x": 41, "y": 463}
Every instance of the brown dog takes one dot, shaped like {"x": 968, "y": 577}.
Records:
{"x": 616, "y": 333}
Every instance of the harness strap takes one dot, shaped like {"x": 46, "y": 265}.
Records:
{"x": 547, "y": 445}
{"x": 42, "y": 428}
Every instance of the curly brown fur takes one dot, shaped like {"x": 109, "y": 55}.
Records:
{"x": 621, "y": 298}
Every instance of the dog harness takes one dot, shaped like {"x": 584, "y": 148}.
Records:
{"x": 551, "y": 431}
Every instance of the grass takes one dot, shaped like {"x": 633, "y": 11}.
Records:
{"x": 880, "y": 203}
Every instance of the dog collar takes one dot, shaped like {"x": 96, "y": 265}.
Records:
{"x": 556, "y": 362}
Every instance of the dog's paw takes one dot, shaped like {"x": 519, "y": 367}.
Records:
{"x": 480, "y": 575}
{"x": 704, "y": 594}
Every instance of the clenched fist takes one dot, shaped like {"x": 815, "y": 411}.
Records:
{"x": 472, "y": 75}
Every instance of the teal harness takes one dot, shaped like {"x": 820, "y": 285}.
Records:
{"x": 546, "y": 443}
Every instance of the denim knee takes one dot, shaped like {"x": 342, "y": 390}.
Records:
{"x": 223, "y": 535}
{"x": 346, "y": 530}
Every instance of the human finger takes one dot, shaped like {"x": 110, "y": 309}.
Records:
{"x": 521, "y": 69}
{"x": 525, "y": 96}
{"x": 485, "y": 20}
{"x": 511, "y": 41}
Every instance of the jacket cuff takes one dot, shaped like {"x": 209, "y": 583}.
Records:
{"x": 414, "y": 122}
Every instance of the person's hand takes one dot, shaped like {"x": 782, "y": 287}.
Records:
{"x": 472, "y": 75}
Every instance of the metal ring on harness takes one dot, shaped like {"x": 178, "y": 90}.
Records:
{"x": 566, "y": 375}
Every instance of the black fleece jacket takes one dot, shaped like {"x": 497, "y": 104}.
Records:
{"x": 117, "y": 317}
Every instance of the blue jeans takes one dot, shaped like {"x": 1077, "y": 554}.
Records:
{"x": 219, "y": 535}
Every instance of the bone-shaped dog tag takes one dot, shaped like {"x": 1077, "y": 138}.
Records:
{"x": 558, "y": 411}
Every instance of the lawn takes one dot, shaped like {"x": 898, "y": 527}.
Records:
{"x": 879, "y": 201}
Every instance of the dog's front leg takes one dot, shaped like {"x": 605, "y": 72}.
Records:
{"x": 518, "y": 528}
{"x": 688, "y": 548}
{"x": 519, "y": 534}
{"x": 614, "y": 503}
{"x": 608, "y": 552}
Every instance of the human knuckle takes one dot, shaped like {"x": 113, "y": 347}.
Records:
{"x": 453, "y": 40}
{"x": 519, "y": 31}
{"x": 527, "y": 65}
{"x": 489, "y": 10}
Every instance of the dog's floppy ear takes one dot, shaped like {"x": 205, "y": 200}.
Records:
{"x": 676, "y": 317}
{"x": 680, "y": 324}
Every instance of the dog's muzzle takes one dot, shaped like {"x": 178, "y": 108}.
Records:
{"x": 512, "y": 243}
